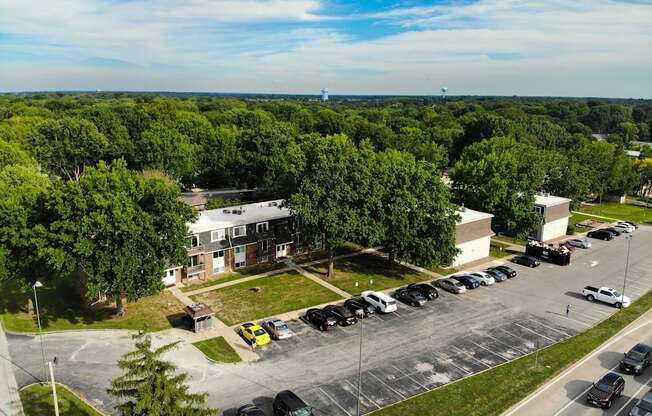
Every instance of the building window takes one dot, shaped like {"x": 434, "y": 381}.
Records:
{"x": 218, "y": 261}
{"x": 538, "y": 209}
{"x": 193, "y": 260}
{"x": 193, "y": 241}
{"x": 218, "y": 235}
{"x": 264, "y": 245}
{"x": 240, "y": 259}
{"x": 240, "y": 231}
{"x": 262, "y": 227}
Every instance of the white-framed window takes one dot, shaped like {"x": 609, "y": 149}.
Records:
{"x": 193, "y": 241}
{"x": 193, "y": 260}
{"x": 218, "y": 235}
{"x": 240, "y": 256}
{"x": 262, "y": 227}
{"x": 538, "y": 209}
{"x": 264, "y": 245}
{"x": 240, "y": 231}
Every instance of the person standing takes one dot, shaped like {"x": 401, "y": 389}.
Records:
{"x": 568, "y": 309}
{"x": 253, "y": 344}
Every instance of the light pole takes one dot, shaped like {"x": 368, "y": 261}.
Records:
{"x": 360, "y": 314}
{"x": 629, "y": 241}
{"x": 54, "y": 386}
{"x": 38, "y": 284}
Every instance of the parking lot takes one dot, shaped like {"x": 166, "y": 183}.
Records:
{"x": 405, "y": 353}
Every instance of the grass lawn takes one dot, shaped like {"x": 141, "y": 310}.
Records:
{"x": 498, "y": 250}
{"x": 61, "y": 309}
{"x": 266, "y": 296}
{"x": 364, "y": 268}
{"x": 442, "y": 270}
{"x": 508, "y": 239}
{"x": 628, "y": 212}
{"x": 229, "y": 277}
{"x": 217, "y": 349}
{"x": 37, "y": 401}
{"x": 577, "y": 217}
{"x": 496, "y": 390}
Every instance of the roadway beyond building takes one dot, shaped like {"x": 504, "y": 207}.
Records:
{"x": 404, "y": 354}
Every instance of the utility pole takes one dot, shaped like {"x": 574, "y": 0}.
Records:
{"x": 629, "y": 241}
{"x": 360, "y": 319}
{"x": 40, "y": 330}
{"x": 54, "y": 389}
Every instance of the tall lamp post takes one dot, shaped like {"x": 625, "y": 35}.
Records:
{"x": 629, "y": 243}
{"x": 360, "y": 314}
{"x": 36, "y": 285}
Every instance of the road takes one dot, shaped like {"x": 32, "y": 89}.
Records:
{"x": 405, "y": 354}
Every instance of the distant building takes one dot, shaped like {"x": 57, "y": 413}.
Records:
{"x": 600, "y": 136}
{"x": 324, "y": 94}
{"x": 633, "y": 153}
{"x": 199, "y": 198}
{"x": 472, "y": 236}
{"x": 555, "y": 211}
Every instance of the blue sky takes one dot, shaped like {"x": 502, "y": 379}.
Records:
{"x": 484, "y": 47}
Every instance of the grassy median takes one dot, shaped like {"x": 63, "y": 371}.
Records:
{"x": 217, "y": 349}
{"x": 37, "y": 401}
{"x": 497, "y": 389}
{"x": 627, "y": 212}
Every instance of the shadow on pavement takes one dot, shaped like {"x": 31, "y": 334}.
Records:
{"x": 575, "y": 387}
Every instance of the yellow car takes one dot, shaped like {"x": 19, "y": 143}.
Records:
{"x": 250, "y": 330}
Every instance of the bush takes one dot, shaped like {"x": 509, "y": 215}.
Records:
{"x": 571, "y": 229}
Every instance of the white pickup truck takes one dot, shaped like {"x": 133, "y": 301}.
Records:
{"x": 606, "y": 295}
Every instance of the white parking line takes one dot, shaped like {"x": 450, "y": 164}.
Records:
{"x": 633, "y": 396}
{"x": 386, "y": 385}
{"x": 408, "y": 376}
{"x": 355, "y": 388}
{"x": 507, "y": 345}
{"x": 472, "y": 357}
{"x": 336, "y": 403}
{"x": 451, "y": 362}
{"x": 487, "y": 349}
{"x": 535, "y": 332}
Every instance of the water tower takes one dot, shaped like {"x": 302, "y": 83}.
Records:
{"x": 443, "y": 92}
{"x": 324, "y": 94}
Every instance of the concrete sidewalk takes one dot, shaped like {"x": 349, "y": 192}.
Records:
{"x": 10, "y": 404}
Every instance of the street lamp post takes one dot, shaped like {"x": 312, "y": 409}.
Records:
{"x": 629, "y": 241}
{"x": 360, "y": 314}
{"x": 36, "y": 285}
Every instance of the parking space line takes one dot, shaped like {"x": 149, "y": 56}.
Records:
{"x": 386, "y": 385}
{"x": 535, "y": 333}
{"x": 546, "y": 326}
{"x": 336, "y": 403}
{"x": 469, "y": 355}
{"x": 355, "y": 388}
{"x": 590, "y": 313}
{"x": 487, "y": 349}
{"x": 507, "y": 345}
{"x": 408, "y": 376}
{"x": 633, "y": 396}
{"x": 451, "y": 362}
{"x": 603, "y": 312}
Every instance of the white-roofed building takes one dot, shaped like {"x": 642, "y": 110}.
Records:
{"x": 472, "y": 236}
{"x": 555, "y": 211}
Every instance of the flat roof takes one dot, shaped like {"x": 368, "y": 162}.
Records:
{"x": 215, "y": 219}
{"x": 469, "y": 215}
{"x": 549, "y": 200}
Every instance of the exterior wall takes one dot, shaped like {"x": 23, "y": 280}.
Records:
{"x": 556, "y": 212}
{"x": 472, "y": 250}
{"x": 473, "y": 230}
{"x": 554, "y": 229}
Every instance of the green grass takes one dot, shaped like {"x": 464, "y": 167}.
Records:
{"x": 498, "y": 250}
{"x": 577, "y": 217}
{"x": 363, "y": 269}
{"x": 38, "y": 401}
{"x": 229, "y": 277}
{"x": 510, "y": 240}
{"x": 444, "y": 271}
{"x": 627, "y": 212}
{"x": 62, "y": 309}
{"x": 497, "y": 389}
{"x": 217, "y": 349}
{"x": 275, "y": 294}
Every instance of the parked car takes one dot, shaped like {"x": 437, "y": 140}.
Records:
{"x": 277, "y": 329}
{"x": 249, "y": 330}
{"x": 450, "y": 285}
{"x": 410, "y": 297}
{"x": 579, "y": 242}
{"x": 286, "y": 403}
{"x": 606, "y": 295}
{"x": 359, "y": 306}
{"x": 343, "y": 316}
{"x": 637, "y": 359}
{"x": 250, "y": 410}
{"x": 380, "y": 301}
{"x": 468, "y": 282}
{"x": 607, "y": 390}
{"x": 613, "y": 231}
{"x": 497, "y": 274}
{"x": 425, "y": 289}
{"x": 633, "y": 224}
{"x": 600, "y": 235}
{"x": 621, "y": 228}
{"x": 524, "y": 260}
{"x": 643, "y": 407}
{"x": 485, "y": 279}
{"x": 627, "y": 226}
{"x": 320, "y": 319}
{"x": 505, "y": 269}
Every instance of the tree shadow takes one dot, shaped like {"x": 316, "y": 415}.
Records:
{"x": 575, "y": 387}
{"x": 179, "y": 320}
{"x": 608, "y": 358}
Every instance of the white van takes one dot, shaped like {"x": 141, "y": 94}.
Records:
{"x": 382, "y": 302}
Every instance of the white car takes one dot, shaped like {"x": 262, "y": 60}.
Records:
{"x": 626, "y": 227}
{"x": 484, "y": 278}
{"x": 382, "y": 302}
{"x": 579, "y": 242}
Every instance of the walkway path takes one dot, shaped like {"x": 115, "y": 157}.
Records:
{"x": 596, "y": 216}
{"x": 10, "y": 404}
{"x": 316, "y": 279}
{"x": 236, "y": 282}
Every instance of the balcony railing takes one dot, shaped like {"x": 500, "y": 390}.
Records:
{"x": 197, "y": 249}
{"x": 196, "y": 268}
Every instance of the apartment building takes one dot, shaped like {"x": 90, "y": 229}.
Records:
{"x": 472, "y": 236}
{"x": 555, "y": 211}
{"x": 232, "y": 238}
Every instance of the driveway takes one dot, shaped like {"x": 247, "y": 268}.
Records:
{"x": 404, "y": 354}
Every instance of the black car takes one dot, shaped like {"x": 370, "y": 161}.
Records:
{"x": 505, "y": 269}
{"x": 524, "y": 260}
{"x": 425, "y": 289}
{"x": 613, "y": 231}
{"x": 468, "y": 282}
{"x": 358, "y": 304}
{"x": 343, "y": 316}
{"x": 606, "y": 390}
{"x": 637, "y": 359}
{"x": 250, "y": 410}
{"x": 600, "y": 235}
{"x": 320, "y": 319}
{"x": 410, "y": 297}
{"x": 287, "y": 403}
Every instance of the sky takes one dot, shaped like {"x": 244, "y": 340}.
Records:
{"x": 582, "y": 48}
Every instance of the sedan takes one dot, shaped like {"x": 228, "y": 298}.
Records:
{"x": 450, "y": 285}
{"x": 497, "y": 275}
{"x": 318, "y": 318}
{"x": 410, "y": 297}
{"x": 579, "y": 242}
{"x": 600, "y": 235}
{"x": 343, "y": 316}
{"x": 467, "y": 281}
{"x": 613, "y": 231}
{"x": 249, "y": 331}
{"x": 524, "y": 260}
{"x": 277, "y": 328}
{"x": 505, "y": 269}
{"x": 425, "y": 289}
{"x": 633, "y": 224}
{"x": 250, "y": 410}
{"x": 485, "y": 279}
{"x": 359, "y": 307}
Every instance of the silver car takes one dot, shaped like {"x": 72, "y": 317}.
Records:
{"x": 277, "y": 329}
{"x": 579, "y": 242}
{"x": 450, "y": 285}
{"x": 643, "y": 407}
{"x": 485, "y": 279}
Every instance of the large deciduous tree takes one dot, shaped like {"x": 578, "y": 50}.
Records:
{"x": 118, "y": 229}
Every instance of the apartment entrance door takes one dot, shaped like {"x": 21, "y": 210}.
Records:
{"x": 218, "y": 261}
{"x": 281, "y": 250}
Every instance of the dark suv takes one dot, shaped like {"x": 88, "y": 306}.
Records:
{"x": 287, "y": 403}
{"x": 343, "y": 316}
{"x": 601, "y": 235}
{"x": 606, "y": 390}
{"x": 637, "y": 359}
{"x": 320, "y": 319}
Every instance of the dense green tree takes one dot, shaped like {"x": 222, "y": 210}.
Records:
{"x": 164, "y": 148}
{"x": 479, "y": 126}
{"x": 13, "y": 154}
{"x": 110, "y": 125}
{"x": 605, "y": 118}
{"x": 328, "y": 122}
{"x": 153, "y": 387}
{"x": 565, "y": 177}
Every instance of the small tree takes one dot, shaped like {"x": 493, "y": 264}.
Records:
{"x": 152, "y": 387}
